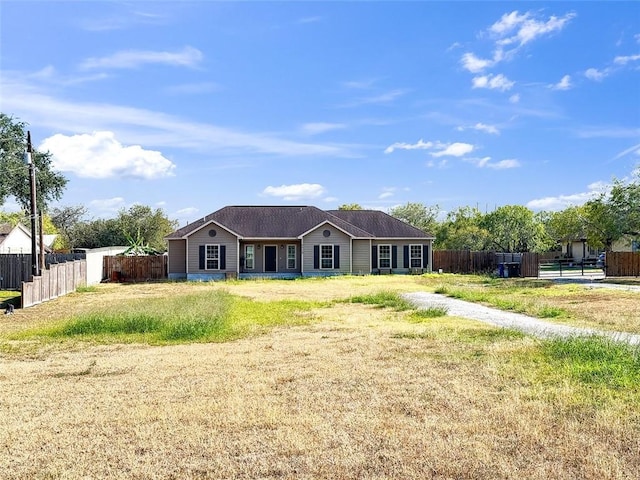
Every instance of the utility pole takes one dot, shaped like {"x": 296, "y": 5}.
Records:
{"x": 35, "y": 267}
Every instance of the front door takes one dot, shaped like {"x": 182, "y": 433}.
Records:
{"x": 270, "y": 260}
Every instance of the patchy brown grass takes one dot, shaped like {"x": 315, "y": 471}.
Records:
{"x": 360, "y": 393}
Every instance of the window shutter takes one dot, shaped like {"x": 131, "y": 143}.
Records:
{"x": 316, "y": 256}
{"x": 201, "y": 257}
{"x": 223, "y": 257}
{"x": 405, "y": 258}
{"x": 394, "y": 256}
{"x": 425, "y": 256}
{"x": 336, "y": 256}
{"x": 374, "y": 256}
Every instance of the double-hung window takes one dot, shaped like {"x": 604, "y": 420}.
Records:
{"x": 415, "y": 256}
{"x": 326, "y": 256}
{"x": 249, "y": 257}
{"x": 212, "y": 257}
{"x": 291, "y": 257}
{"x": 384, "y": 256}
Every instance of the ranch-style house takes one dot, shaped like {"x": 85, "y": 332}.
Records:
{"x": 296, "y": 241}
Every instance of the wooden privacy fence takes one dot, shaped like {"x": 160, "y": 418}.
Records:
{"x": 464, "y": 261}
{"x": 58, "y": 280}
{"x": 122, "y": 268}
{"x": 623, "y": 264}
{"x": 467, "y": 261}
{"x": 16, "y": 268}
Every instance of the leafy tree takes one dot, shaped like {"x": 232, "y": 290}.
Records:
{"x": 141, "y": 223}
{"x": 350, "y": 206}
{"x": 65, "y": 220}
{"x": 14, "y": 174}
{"x": 463, "y": 230}
{"x": 419, "y": 215}
{"x": 614, "y": 215}
{"x": 149, "y": 226}
{"x": 514, "y": 228}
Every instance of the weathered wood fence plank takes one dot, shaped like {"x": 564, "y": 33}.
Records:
{"x": 58, "y": 280}
{"x": 623, "y": 264}
{"x": 135, "y": 268}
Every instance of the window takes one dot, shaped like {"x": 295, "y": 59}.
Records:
{"x": 635, "y": 245}
{"x": 249, "y": 257}
{"x": 384, "y": 256}
{"x": 326, "y": 256}
{"x": 291, "y": 256}
{"x": 415, "y": 256}
{"x": 212, "y": 257}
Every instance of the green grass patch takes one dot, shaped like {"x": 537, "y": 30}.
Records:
{"x": 520, "y": 296}
{"x": 383, "y": 299}
{"x": 200, "y": 317}
{"x": 87, "y": 289}
{"x": 423, "y": 314}
{"x": 595, "y": 360}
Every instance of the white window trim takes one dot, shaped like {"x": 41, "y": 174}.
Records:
{"x": 380, "y": 256}
{"x": 295, "y": 256}
{"x": 411, "y": 258}
{"x": 206, "y": 256}
{"x": 332, "y": 256}
{"x": 254, "y": 256}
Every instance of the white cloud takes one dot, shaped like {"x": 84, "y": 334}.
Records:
{"x": 457, "y": 149}
{"x": 515, "y": 98}
{"x": 420, "y": 145}
{"x": 515, "y": 30}
{"x": 100, "y": 155}
{"x": 474, "y": 64}
{"x": 184, "y": 213}
{"x": 107, "y": 205}
{"x": 295, "y": 192}
{"x": 527, "y": 28}
{"x": 563, "y": 84}
{"x": 187, "y": 57}
{"x": 481, "y": 127}
{"x": 595, "y": 74}
{"x": 497, "y": 82}
{"x": 501, "y": 165}
{"x": 387, "y": 192}
{"x": 623, "y": 60}
{"x": 320, "y": 127}
{"x": 146, "y": 127}
{"x": 508, "y": 22}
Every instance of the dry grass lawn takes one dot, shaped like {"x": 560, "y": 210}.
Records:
{"x": 361, "y": 393}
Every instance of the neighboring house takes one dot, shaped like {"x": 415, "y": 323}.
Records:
{"x": 18, "y": 239}
{"x": 579, "y": 250}
{"x": 626, "y": 244}
{"x": 290, "y": 242}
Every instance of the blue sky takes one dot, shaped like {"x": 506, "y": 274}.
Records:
{"x": 191, "y": 106}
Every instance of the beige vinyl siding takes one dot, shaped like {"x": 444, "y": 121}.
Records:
{"x": 281, "y": 248}
{"x": 223, "y": 237}
{"x": 177, "y": 250}
{"x": 336, "y": 237}
{"x": 361, "y": 257}
{"x": 400, "y": 245}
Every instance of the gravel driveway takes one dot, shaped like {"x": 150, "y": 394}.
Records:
{"x": 518, "y": 321}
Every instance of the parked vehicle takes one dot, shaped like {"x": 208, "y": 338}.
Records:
{"x": 600, "y": 263}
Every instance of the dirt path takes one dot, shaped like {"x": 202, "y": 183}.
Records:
{"x": 518, "y": 321}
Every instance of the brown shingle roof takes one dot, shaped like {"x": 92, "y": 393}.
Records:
{"x": 293, "y": 221}
{"x": 380, "y": 224}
